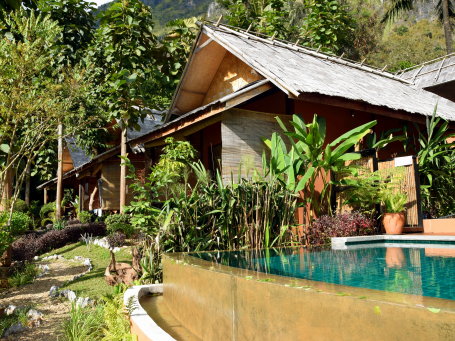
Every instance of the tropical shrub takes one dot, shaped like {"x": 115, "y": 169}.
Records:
{"x": 6, "y": 237}
{"x": 19, "y": 315}
{"x": 47, "y": 213}
{"x": 212, "y": 215}
{"x": 119, "y": 222}
{"x": 165, "y": 179}
{"x": 440, "y": 201}
{"x": 59, "y": 224}
{"x": 394, "y": 202}
{"x": 312, "y": 158}
{"x": 436, "y": 158}
{"x": 30, "y": 245}
{"x": 341, "y": 225}
{"x": 116, "y": 239}
{"x": 24, "y": 275}
{"x": 367, "y": 189}
{"x": 84, "y": 323}
{"x": 106, "y": 321}
{"x": 84, "y": 217}
{"x": 20, "y": 222}
{"x": 20, "y": 206}
{"x": 116, "y": 322}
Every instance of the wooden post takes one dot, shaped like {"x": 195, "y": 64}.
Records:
{"x": 81, "y": 197}
{"x": 45, "y": 195}
{"x": 123, "y": 169}
{"x": 28, "y": 171}
{"x": 59, "y": 196}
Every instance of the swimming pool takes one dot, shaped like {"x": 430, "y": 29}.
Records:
{"x": 423, "y": 271}
{"x": 366, "y": 292}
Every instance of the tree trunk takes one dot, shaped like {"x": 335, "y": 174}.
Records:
{"x": 7, "y": 190}
{"x": 447, "y": 28}
{"x": 123, "y": 169}
{"x": 59, "y": 197}
{"x": 28, "y": 171}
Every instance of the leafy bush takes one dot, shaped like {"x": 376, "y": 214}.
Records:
{"x": 436, "y": 167}
{"x": 28, "y": 246}
{"x": 116, "y": 239}
{"x": 19, "y": 315}
{"x": 59, "y": 224}
{"x": 440, "y": 200}
{"x": 119, "y": 222}
{"x": 25, "y": 247}
{"x": 106, "y": 321}
{"x": 341, "y": 225}
{"x": 84, "y": 217}
{"x": 395, "y": 202}
{"x": 117, "y": 325}
{"x": 84, "y": 323}
{"x": 47, "y": 213}
{"x": 23, "y": 275}
{"x": 20, "y": 222}
{"x": 20, "y": 206}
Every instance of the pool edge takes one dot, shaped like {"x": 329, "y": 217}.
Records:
{"x": 141, "y": 324}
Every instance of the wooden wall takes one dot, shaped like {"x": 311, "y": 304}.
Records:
{"x": 67, "y": 160}
{"x": 110, "y": 177}
{"x": 410, "y": 186}
{"x": 231, "y": 75}
{"x": 242, "y": 146}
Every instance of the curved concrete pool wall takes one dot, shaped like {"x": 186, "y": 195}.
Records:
{"x": 217, "y": 302}
{"x": 142, "y": 326}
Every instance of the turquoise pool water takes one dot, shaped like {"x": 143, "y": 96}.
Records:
{"x": 416, "y": 271}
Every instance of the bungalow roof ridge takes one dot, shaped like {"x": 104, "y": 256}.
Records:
{"x": 402, "y": 72}
{"x": 313, "y": 52}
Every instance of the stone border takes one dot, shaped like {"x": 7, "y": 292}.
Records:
{"x": 141, "y": 323}
{"x": 341, "y": 243}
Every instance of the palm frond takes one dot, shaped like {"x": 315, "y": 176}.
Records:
{"x": 439, "y": 13}
{"x": 396, "y": 7}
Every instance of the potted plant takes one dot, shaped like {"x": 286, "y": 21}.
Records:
{"x": 393, "y": 218}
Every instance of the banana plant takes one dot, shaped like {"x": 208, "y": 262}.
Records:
{"x": 434, "y": 151}
{"x": 311, "y": 157}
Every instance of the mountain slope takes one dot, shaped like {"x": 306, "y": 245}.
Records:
{"x": 166, "y": 10}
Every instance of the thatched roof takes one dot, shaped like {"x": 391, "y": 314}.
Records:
{"x": 78, "y": 155}
{"x": 437, "y": 76}
{"x": 298, "y": 71}
{"x": 81, "y": 160}
{"x": 150, "y": 122}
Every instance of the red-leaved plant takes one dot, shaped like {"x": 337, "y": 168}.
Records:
{"x": 341, "y": 225}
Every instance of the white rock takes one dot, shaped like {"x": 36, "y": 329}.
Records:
{"x": 15, "y": 328}
{"x": 33, "y": 315}
{"x": 83, "y": 302}
{"x": 10, "y": 309}
{"x": 53, "y": 291}
{"x": 36, "y": 258}
{"x": 87, "y": 262}
{"x": 102, "y": 242}
{"x": 45, "y": 268}
{"x": 71, "y": 296}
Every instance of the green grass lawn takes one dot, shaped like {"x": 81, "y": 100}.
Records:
{"x": 92, "y": 284}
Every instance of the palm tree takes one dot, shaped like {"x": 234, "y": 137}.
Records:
{"x": 444, "y": 9}
{"x": 8, "y": 5}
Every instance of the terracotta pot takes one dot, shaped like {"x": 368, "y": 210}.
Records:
{"x": 393, "y": 222}
{"x": 394, "y": 257}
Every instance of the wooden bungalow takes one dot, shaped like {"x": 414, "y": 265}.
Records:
{"x": 96, "y": 180}
{"x": 236, "y": 83}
